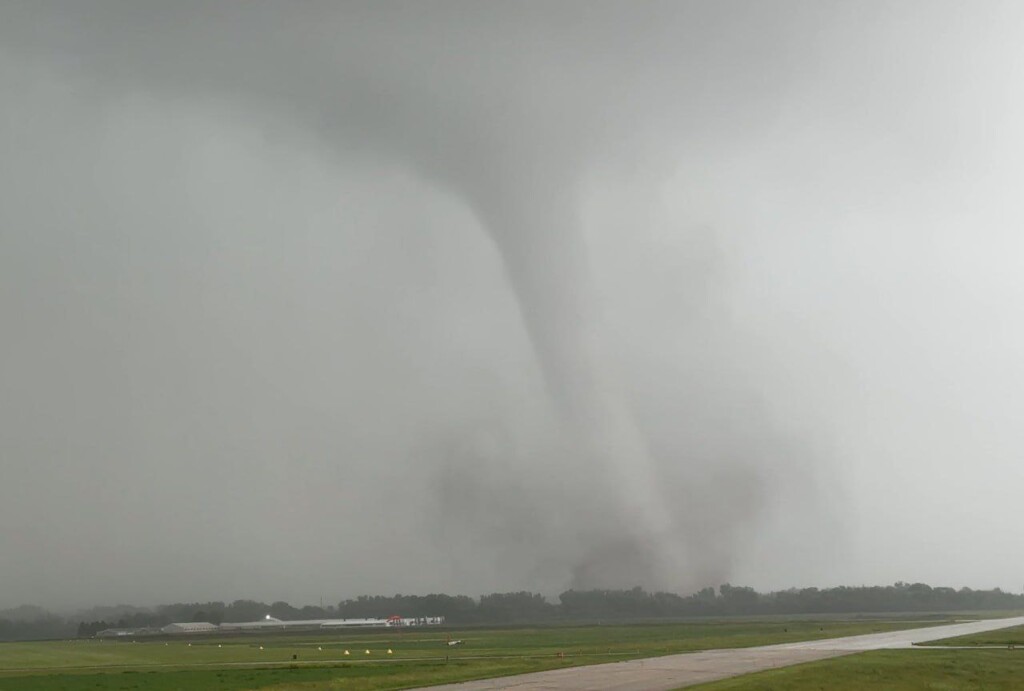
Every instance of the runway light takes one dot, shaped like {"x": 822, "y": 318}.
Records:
{"x": 261, "y": 647}
{"x": 319, "y": 647}
{"x": 389, "y": 651}
{"x": 346, "y": 652}
{"x": 218, "y": 645}
{"x": 367, "y": 652}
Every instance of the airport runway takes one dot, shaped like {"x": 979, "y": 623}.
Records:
{"x": 675, "y": 671}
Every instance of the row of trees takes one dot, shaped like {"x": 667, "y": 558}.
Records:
{"x": 636, "y": 603}
{"x": 525, "y": 607}
{"x": 736, "y": 600}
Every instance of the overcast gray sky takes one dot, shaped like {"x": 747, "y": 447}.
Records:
{"x": 319, "y": 298}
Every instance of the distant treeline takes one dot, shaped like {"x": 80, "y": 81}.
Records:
{"x": 523, "y": 607}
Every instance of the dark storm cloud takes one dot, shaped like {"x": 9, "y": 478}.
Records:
{"x": 478, "y": 288}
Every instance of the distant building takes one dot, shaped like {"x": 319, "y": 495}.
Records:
{"x": 351, "y": 623}
{"x": 123, "y": 633}
{"x": 190, "y": 627}
{"x": 149, "y": 631}
{"x": 278, "y": 624}
{"x": 274, "y": 624}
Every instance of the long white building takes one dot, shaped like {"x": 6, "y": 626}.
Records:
{"x": 273, "y": 623}
{"x": 191, "y": 627}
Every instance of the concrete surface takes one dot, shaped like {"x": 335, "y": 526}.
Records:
{"x": 675, "y": 671}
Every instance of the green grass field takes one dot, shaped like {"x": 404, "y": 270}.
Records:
{"x": 419, "y": 657}
{"x": 1002, "y": 638}
{"x": 891, "y": 670}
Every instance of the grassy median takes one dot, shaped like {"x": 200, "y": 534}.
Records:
{"x": 891, "y": 670}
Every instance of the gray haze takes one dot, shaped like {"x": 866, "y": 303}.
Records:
{"x": 319, "y": 299}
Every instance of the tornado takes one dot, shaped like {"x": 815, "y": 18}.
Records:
{"x": 529, "y": 206}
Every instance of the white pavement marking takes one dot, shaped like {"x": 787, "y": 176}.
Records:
{"x": 675, "y": 671}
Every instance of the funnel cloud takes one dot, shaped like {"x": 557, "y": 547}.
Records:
{"x": 342, "y": 298}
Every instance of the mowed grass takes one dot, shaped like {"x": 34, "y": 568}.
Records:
{"x": 1003, "y": 637}
{"x": 357, "y": 677}
{"x": 419, "y": 656}
{"x": 892, "y": 670}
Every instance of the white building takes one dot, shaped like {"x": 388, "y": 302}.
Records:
{"x": 191, "y": 627}
{"x": 273, "y": 623}
{"x": 276, "y": 624}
